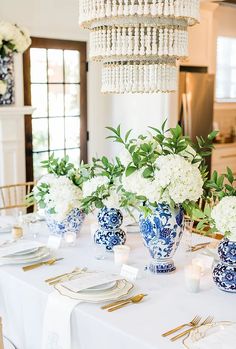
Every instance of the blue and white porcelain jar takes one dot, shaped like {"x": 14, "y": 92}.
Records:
{"x": 162, "y": 231}
{"x": 72, "y": 222}
{"x": 224, "y": 272}
{"x": 110, "y": 234}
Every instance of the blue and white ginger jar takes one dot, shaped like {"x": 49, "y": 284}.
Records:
{"x": 72, "y": 222}
{"x": 110, "y": 234}
{"x": 162, "y": 231}
{"x": 224, "y": 272}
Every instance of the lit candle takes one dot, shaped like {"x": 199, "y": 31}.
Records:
{"x": 192, "y": 278}
{"x": 121, "y": 254}
{"x": 17, "y": 232}
{"x": 70, "y": 238}
{"x": 200, "y": 263}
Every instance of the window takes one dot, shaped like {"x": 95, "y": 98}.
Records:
{"x": 55, "y": 84}
{"x": 226, "y": 69}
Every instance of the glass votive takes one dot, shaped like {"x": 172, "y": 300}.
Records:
{"x": 200, "y": 263}
{"x": 121, "y": 254}
{"x": 192, "y": 278}
{"x": 93, "y": 228}
{"x": 70, "y": 238}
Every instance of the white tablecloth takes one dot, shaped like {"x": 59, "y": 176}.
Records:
{"x": 23, "y": 297}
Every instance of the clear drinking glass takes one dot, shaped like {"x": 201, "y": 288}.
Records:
{"x": 188, "y": 234}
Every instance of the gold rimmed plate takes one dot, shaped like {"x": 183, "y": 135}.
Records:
{"x": 121, "y": 289}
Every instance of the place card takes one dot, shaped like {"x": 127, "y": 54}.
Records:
{"x": 129, "y": 273}
{"x": 88, "y": 280}
{"x": 54, "y": 242}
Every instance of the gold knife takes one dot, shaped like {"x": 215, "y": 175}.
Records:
{"x": 37, "y": 265}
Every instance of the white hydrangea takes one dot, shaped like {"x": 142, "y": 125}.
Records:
{"x": 90, "y": 186}
{"x": 182, "y": 179}
{"x": 18, "y": 36}
{"x": 176, "y": 179}
{"x": 63, "y": 195}
{"x": 224, "y": 215}
{"x": 136, "y": 183}
{"x": 113, "y": 200}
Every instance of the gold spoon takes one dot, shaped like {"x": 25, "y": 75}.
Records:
{"x": 135, "y": 299}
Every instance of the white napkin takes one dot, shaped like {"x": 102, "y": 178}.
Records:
{"x": 225, "y": 338}
{"x": 19, "y": 246}
{"x": 57, "y": 322}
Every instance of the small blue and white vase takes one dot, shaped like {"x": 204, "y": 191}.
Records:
{"x": 109, "y": 233}
{"x": 72, "y": 222}
{"x": 162, "y": 231}
{"x": 224, "y": 272}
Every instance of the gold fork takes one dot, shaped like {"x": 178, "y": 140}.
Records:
{"x": 133, "y": 300}
{"x": 208, "y": 320}
{"x": 194, "y": 322}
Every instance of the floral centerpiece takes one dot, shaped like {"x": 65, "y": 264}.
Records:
{"x": 165, "y": 172}
{"x": 103, "y": 191}
{"x": 220, "y": 215}
{"x": 13, "y": 39}
{"x": 59, "y": 193}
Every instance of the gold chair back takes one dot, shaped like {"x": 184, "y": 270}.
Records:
{"x": 13, "y": 196}
{"x": 1, "y": 335}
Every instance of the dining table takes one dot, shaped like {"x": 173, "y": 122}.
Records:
{"x": 24, "y": 295}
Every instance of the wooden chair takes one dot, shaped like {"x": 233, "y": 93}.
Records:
{"x": 13, "y": 196}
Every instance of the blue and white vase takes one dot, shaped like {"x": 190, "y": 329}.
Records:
{"x": 109, "y": 233}
{"x": 72, "y": 222}
{"x": 224, "y": 272}
{"x": 162, "y": 231}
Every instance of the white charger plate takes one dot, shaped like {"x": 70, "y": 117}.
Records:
{"x": 122, "y": 289}
{"x": 203, "y": 331}
{"x": 26, "y": 260}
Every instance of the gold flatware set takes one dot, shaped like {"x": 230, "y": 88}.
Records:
{"x": 198, "y": 247}
{"x": 65, "y": 277}
{"x": 50, "y": 261}
{"x": 194, "y": 323}
{"x": 122, "y": 303}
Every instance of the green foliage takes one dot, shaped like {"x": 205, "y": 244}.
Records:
{"x": 58, "y": 167}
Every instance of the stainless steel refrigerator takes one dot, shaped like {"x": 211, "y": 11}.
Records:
{"x": 196, "y": 103}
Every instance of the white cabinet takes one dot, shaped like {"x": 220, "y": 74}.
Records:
{"x": 223, "y": 156}
{"x": 201, "y": 43}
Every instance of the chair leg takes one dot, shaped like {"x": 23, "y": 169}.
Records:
{"x": 1, "y": 335}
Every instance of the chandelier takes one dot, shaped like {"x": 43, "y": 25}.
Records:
{"x": 138, "y": 41}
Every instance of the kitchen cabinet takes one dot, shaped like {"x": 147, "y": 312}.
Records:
{"x": 222, "y": 156}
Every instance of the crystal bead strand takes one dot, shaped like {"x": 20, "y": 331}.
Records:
{"x": 114, "y": 8}
{"x": 148, "y": 41}
{"x": 126, "y": 7}
{"x": 142, "y": 42}
{"x": 136, "y": 41}
{"x": 154, "y": 41}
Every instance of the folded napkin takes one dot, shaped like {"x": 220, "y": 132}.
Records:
{"x": 57, "y": 322}
{"x": 225, "y": 338}
{"x": 19, "y": 246}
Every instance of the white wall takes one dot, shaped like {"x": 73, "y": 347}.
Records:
{"x": 59, "y": 19}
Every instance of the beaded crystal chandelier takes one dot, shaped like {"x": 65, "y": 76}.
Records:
{"x": 138, "y": 41}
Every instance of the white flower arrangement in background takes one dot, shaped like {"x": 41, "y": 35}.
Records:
{"x": 58, "y": 195}
{"x": 224, "y": 216}
{"x": 13, "y": 38}
{"x": 3, "y": 87}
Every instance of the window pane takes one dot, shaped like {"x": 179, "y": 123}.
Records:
{"x": 55, "y": 65}
{"x": 58, "y": 153}
{"x": 72, "y": 128}
{"x": 38, "y": 170}
{"x": 72, "y": 100}
{"x": 38, "y": 65}
{"x": 56, "y": 100}
{"x": 40, "y": 134}
{"x": 56, "y": 133}
{"x": 233, "y": 91}
{"x": 39, "y": 100}
{"x": 74, "y": 155}
{"x": 72, "y": 61}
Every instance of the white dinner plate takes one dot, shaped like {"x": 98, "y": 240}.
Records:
{"x": 7, "y": 344}
{"x": 34, "y": 257}
{"x": 5, "y": 228}
{"x": 203, "y": 331}
{"x": 122, "y": 289}
{"x": 23, "y": 253}
{"x": 101, "y": 288}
